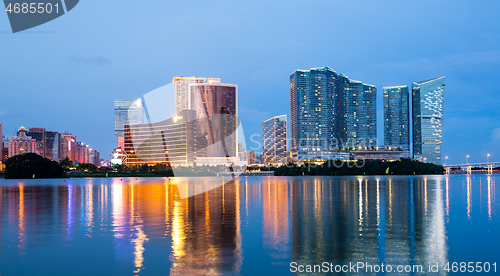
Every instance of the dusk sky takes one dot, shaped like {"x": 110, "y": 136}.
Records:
{"x": 65, "y": 74}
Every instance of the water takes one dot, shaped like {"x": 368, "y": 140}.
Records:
{"x": 253, "y": 226}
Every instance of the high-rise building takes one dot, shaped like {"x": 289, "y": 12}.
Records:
{"x": 39, "y": 135}
{"x": 251, "y": 157}
{"x": 171, "y": 141}
{"x": 67, "y": 146}
{"x": 5, "y": 148}
{"x": 182, "y": 92}
{"x": 21, "y": 143}
{"x": 428, "y": 110}
{"x": 94, "y": 157}
{"x": 274, "y": 148}
{"x": 397, "y": 117}
{"x": 314, "y": 114}
{"x": 358, "y": 113}
{"x": 216, "y": 107}
{"x": 51, "y": 145}
{"x": 82, "y": 153}
{"x": 330, "y": 111}
{"x": 127, "y": 112}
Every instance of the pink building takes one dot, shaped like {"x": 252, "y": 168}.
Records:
{"x": 22, "y": 143}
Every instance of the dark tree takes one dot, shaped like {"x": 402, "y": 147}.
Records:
{"x": 31, "y": 165}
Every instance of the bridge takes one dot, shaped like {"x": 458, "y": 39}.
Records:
{"x": 469, "y": 166}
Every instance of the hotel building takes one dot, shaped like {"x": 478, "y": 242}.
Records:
{"x": 396, "y": 117}
{"x": 328, "y": 112}
{"x": 274, "y": 141}
{"x": 428, "y": 110}
{"x": 21, "y": 143}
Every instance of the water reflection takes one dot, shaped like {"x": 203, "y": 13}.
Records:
{"x": 144, "y": 226}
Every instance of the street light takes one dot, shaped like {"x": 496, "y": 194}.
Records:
{"x": 467, "y": 160}
{"x": 446, "y": 160}
{"x": 488, "y": 159}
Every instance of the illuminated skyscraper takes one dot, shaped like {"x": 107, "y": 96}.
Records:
{"x": 216, "y": 107}
{"x": 357, "y": 113}
{"x": 67, "y": 146}
{"x": 21, "y": 143}
{"x": 396, "y": 117}
{"x": 127, "y": 112}
{"x": 314, "y": 114}
{"x": 274, "y": 140}
{"x": 428, "y": 110}
{"x": 182, "y": 93}
{"x": 82, "y": 153}
{"x": 328, "y": 112}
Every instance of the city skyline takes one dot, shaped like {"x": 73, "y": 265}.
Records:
{"x": 76, "y": 87}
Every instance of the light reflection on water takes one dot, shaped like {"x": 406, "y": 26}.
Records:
{"x": 255, "y": 225}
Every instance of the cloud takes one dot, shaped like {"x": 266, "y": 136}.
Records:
{"x": 97, "y": 60}
{"x": 253, "y": 114}
{"x": 495, "y": 134}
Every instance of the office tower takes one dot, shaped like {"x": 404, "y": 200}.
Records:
{"x": 21, "y": 143}
{"x": 39, "y": 135}
{"x": 274, "y": 140}
{"x": 396, "y": 117}
{"x": 51, "y": 145}
{"x": 428, "y": 110}
{"x": 328, "y": 112}
{"x": 216, "y": 107}
{"x": 357, "y": 113}
{"x": 94, "y": 157}
{"x": 67, "y": 146}
{"x": 182, "y": 91}
{"x": 127, "y": 112}
{"x": 82, "y": 153}
{"x": 171, "y": 141}
{"x": 5, "y": 148}
{"x": 313, "y": 112}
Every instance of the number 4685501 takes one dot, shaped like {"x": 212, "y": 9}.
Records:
{"x": 32, "y": 8}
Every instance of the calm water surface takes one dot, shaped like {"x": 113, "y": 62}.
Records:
{"x": 252, "y": 226}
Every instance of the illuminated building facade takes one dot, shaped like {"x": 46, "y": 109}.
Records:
{"x": 94, "y": 157}
{"x": 358, "y": 112}
{"x": 396, "y": 117}
{"x": 82, "y": 153}
{"x": 329, "y": 111}
{"x": 274, "y": 148}
{"x": 182, "y": 92}
{"x": 127, "y": 112}
{"x": 314, "y": 114}
{"x": 171, "y": 141}
{"x": 428, "y": 110}
{"x": 47, "y": 142}
{"x": 67, "y": 146}
{"x": 22, "y": 143}
{"x": 216, "y": 109}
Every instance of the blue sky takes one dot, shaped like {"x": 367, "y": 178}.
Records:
{"x": 65, "y": 74}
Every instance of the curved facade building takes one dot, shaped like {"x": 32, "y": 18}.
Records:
{"x": 428, "y": 110}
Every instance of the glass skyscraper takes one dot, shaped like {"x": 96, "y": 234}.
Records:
{"x": 428, "y": 109}
{"x": 328, "y": 112}
{"x": 313, "y": 112}
{"x": 127, "y": 112}
{"x": 396, "y": 117}
{"x": 274, "y": 140}
{"x": 358, "y": 113}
